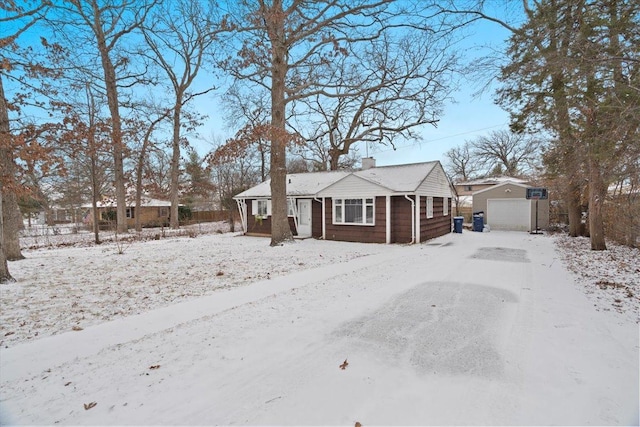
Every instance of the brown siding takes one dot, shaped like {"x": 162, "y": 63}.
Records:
{"x": 437, "y": 226}
{"x": 358, "y": 233}
{"x": 257, "y": 226}
{"x": 401, "y": 224}
{"x": 316, "y": 219}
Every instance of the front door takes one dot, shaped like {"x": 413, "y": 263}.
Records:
{"x": 304, "y": 218}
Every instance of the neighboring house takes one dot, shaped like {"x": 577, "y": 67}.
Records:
{"x": 465, "y": 189}
{"x": 390, "y": 204}
{"x": 506, "y": 207}
{"x": 152, "y": 212}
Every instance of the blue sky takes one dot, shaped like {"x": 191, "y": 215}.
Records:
{"x": 464, "y": 119}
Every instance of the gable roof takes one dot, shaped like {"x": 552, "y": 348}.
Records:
{"x": 517, "y": 184}
{"x": 395, "y": 179}
{"x": 398, "y": 178}
{"x": 298, "y": 184}
{"x": 494, "y": 180}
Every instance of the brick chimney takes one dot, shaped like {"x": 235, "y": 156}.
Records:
{"x": 368, "y": 163}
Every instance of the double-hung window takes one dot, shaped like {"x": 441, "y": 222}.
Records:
{"x": 354, "y": 211}
{"x": 429, "y": 207}
{"x": 445, "y": 206}
{"x": 262, "y": 208}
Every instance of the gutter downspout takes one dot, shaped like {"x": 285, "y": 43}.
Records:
{"x": 324, "y": 225}
{"x": 413, "y": 218}
{"x": 243, "y": 219}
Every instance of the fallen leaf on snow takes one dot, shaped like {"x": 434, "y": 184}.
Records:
{"x": 344, "y": 365}
{"x": 154, "y": 367}
{"x": 88, "y": 406}
{"x": 76, "y": 328}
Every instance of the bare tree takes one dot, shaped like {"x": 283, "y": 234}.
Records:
{"x": 104, "y": 27}
{"x": 180, "y": 36}
{"x": 511, "y": 153}
{"x": 461, "y": 163}
{"x": 5, "y": 137}
{"x": 16, "y": 20}
{"x": 288, "y": 49}
{"x": 248, "y": 109}
{"x": 234, "y": 169}
{"x": 383, "y": 93}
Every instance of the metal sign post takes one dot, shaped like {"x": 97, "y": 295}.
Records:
{"x": 537, "y": 194}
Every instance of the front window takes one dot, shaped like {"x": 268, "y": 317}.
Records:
{"x": 130, "y": 213}
{"x": 445, "y": 207}
{"x": 353, "y": 211}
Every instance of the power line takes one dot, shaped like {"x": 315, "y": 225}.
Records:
{"x": 441, "y": 138}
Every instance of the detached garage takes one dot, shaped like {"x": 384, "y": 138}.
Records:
{"x": 506, "y": 207}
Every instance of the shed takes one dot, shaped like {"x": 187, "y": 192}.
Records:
{"x": 390, "y": 204}
{"x": 506, "y": 207}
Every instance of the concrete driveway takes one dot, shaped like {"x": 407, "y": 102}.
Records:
{"x": 471, "y": 328}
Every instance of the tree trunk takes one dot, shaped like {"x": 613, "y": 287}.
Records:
{"x": 175, "y": 165}
{"x": 574, "y": 208}
{"x": 116, "y": 123}
{"x": 5, "y": 155}
{"x": 5, "y": 277}
{"x": 12, "y": 225}
{"x": 280, "y": 231}
{"x": 12, "y": 219}
{"x": 597, "y": 194}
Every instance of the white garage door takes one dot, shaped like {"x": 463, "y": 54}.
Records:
{"x": 509, "y": 214}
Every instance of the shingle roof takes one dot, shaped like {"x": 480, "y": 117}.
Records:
{"x": 298, "y": 184}
{"x": 400, "y": 178}
{"x": 397, "y": 178}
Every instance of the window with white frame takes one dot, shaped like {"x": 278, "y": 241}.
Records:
{"x": 354, "y": 211}
{"x": 429, "y": 207}
{"x": 130, "y": 213}
{"x": 262, "y": 208}
{"x": 291, "y": 203}
{"x": 445, "y": 206}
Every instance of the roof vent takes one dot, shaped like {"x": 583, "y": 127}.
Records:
{"x": 368, "y": 163}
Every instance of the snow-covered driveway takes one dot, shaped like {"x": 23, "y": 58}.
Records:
{"x": 477, "y": 328}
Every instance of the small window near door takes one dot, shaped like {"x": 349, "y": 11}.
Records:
{"x": 290, "y": 207}
{"x": 429, "y": 207}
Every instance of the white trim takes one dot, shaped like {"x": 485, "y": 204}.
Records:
{"x": 429, "y": 209}
{"x": 365, "y": 205}
{"x": 493, "y": 187}
{"x": 445, "y": 206}
{"x": 417, "y": 217}
{"x": 242, "y": 209}
{"x": 388, "y": 219}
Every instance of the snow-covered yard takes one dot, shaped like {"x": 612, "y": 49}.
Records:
{"x": 477, "y": 328}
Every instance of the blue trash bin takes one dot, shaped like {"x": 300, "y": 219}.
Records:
{"x": 457, "y": 224}
{"x": 478, "y": 221}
